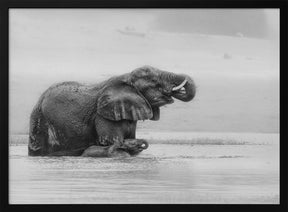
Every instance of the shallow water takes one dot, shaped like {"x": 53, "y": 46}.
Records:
{"x": 164, "y": 173}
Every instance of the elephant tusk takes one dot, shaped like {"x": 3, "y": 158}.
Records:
{"x": 144, "y": 145}
{"x": 179, "y": 86}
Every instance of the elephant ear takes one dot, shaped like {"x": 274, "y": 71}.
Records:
{"x": 123, "y": 102}
{"x": 156, "y": 113}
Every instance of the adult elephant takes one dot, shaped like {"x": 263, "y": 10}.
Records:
{"x": 100, "y": 120}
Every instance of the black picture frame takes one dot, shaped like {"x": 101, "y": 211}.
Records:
{"x": 4, "y": 48}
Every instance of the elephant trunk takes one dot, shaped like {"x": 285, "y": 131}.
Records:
{"x": 184, "y": 88}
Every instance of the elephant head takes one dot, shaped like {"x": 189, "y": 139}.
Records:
{"x": 134, "y": 146}
{"x": 139, "y": 94}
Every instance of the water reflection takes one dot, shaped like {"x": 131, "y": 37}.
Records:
{"x": 162, "y": 174}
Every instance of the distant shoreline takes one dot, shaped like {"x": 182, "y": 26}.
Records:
{"x": 179, "y": 131}
{"x": 189, "y": 138}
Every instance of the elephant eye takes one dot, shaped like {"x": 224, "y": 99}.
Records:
{"x": 157, "y": 85}
{"x": 154, "y": 81}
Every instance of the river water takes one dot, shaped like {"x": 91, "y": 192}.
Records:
{"x": 197, "y": 168}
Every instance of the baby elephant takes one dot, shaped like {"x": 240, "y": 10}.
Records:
{"x": 129, "y": 147}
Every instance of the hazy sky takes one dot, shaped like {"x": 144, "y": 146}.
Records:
{"x": 53, "y": 45}
{"x": 48, "y": 33}
{"x": 250, "y": 22}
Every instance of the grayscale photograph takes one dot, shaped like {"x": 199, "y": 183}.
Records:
{"x": 144, "y": 106}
